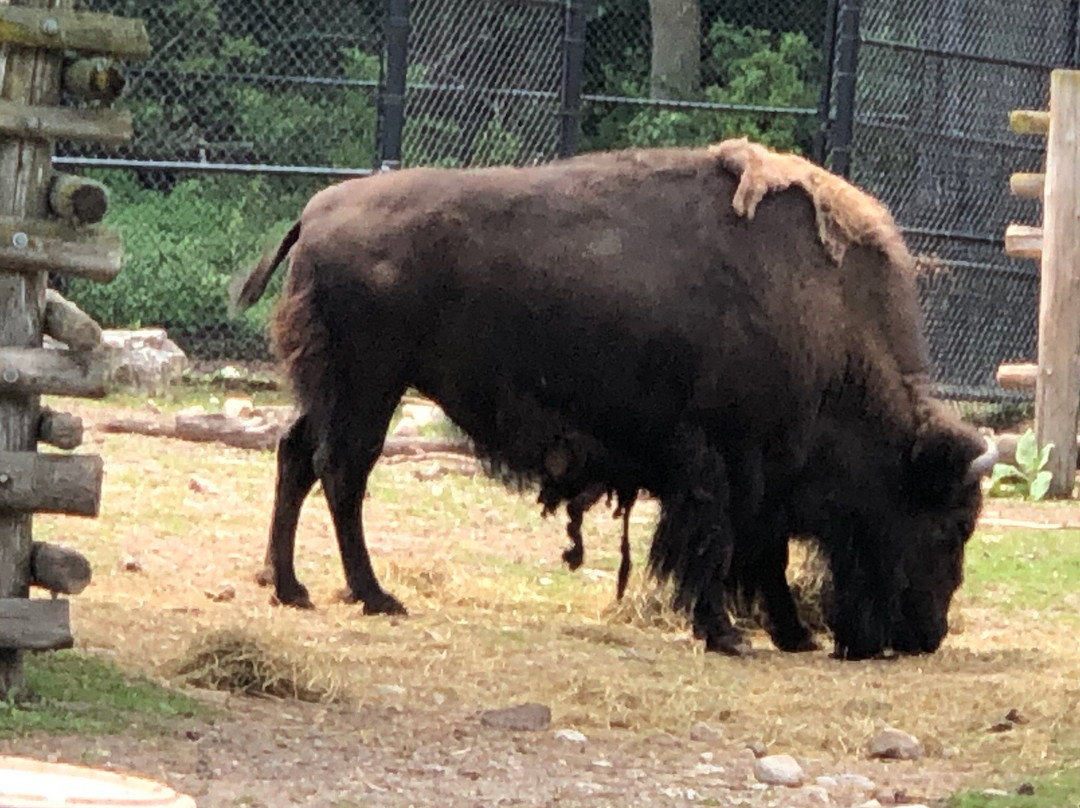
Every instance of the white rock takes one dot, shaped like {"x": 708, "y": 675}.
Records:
{"x": 601, "y": 764}
{"x": 143, "y": 359}
{"x": 871, "y": 804}
{"x": 590, "y": 787}
{"x": 570, "y": 735}
{"x": 779, "y": 770}
{"x": 857, "y": 781}
{"x": 703, "y": 732}
{"x": 818, "y": 793}
{"x": 406, "y": 428}
{"x": 391, "y": 690}
{"x": 708, "y": 768}
{"x": 238, "y": 407}
{"x": 895, "y": 744}
{"x": 201, "y": 485}
{"x": 826, "y": 781}
{"x": 995, "y": 792}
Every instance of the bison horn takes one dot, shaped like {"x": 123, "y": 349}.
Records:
{"x": 984, "y": 463}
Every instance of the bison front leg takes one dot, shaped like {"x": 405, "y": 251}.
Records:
{"x": 295, "y": 477}
{"x": 782, "y": 621}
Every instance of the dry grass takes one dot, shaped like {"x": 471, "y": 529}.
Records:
{"x": 496, "y": 619}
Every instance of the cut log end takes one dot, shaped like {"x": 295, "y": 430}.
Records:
{"x": 66, "y": 322}
{"x": 60, "y": 429}
{"x": 1018, "y": 376}
{"x": 78, "y": 200}
{"x": 97, "y": 79}
{"x": 59, "y": 569}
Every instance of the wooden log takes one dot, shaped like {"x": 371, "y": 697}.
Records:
{"x": 110, "y": 126}
{"x": 60, "y": 429}
{"x": 97, "y": 79}
{"x": 37, "y": 246}
{"x": 77, "y": 199}
{"x": 1006, "y": 444}
{"x": 1029, "y": 121}
{"x": 59, "y": 569}
{"x": 1027, "y": 186}
{"x": 1022, "y": 241}
{"x": 28, "y": 78}
{"x": 1057, "y": 389}
{"x": 1018, "y": 376}
{"x": 50, "y": 483}
{"x": 54, "y": 373}
{"x": 66, "y": 322}
{"x": 35, "y": 624}
{"x": 85, "y": 31}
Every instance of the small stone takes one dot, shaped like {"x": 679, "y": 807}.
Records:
{"x": 527, "y": 717}
{"x": 894, "y": 744}
{"x": 759, "y": 748}
{"x": 238, "y": 407}
{"x": 1014, "y": 716}
{"x": 856, "y": 781}
{"x": 818, "y": 793}
{"x": 1025, "y": 789}
{"x": 129, "y": 563}
{"x": 570, "y": 735}
{"x": 871, "y": 804}
{"x": 601, "y": 764}
{"x": 391, "y": 690}
{"x": 223, "y": 594}
{"x": 706, "y": 757}
{"x": 200, "y": 485}
{"x": 779, "y": 770}
{"x": 703, "y": 732}
{"x": 406, "y": 428}
{"x": 994, "y": 792}
{"x": 707, "y": 769}
{"x": 589, "y": 787}
{"x": 826, "y": 781}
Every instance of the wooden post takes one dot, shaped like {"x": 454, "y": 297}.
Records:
{"x": 1057, "y": 390}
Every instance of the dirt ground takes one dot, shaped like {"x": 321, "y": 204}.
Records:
{"x": 495, "y": 621}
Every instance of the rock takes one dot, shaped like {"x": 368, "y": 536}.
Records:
{"x": 1025, "y": 789}
{"x": 391, "y": 690}
{"x": 856, "y": 781}
{"x": 222, "y": 594}
{"x": 601, "y": 764}
{"x": 570, "y": 735}
{"x": 779, "y": 770}
{"x": 703, "y": 732}
{"x": 406, "y": 428}
{"x": 129, "y": 563}
{"x": 870, "y": 804}
{"x": 894, "y": 744}
{"x": 995, "y": 792}
{"x": 826, "y": 781}
{"x": 759, "y": 748}
{"x": 238, "y": 407}
{"x": 144, "y": 359}
{"x": 201, "y": 485}
{"x": 707, "y": 769}
{"x": 527, "y": 717}
{"x": 818, "y": 793}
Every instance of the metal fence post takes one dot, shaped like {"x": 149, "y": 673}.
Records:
{"x": 847, "y": 47}
{"x": 828, "y": 42}
{"x": 392, "y": 96}
{"x": 573, "y": 47}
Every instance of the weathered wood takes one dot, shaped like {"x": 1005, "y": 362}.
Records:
{"x": 1057, "y": 389}
{"x": 59, "y": 569}
{"x": 60, "y": 429}
{"x": 1022, "y": 241}
{"x": 1027, "y": 186}
{"x": 110, "y": 126}
{"x": 42, "y": 246}
{"x": 35, "y": 625}
{"x": 50, "y": 372}
{"x": 99, "y": 79}
{"x": 1029, "y": 121}
{"x": 66, "y": 322}
{"x": 1018, "y": 375}
{"x": 77, "y": 199}
{"x": 85, "y": 31}
{"x": 50, "y": 483}
{"x": 28, "y": 78}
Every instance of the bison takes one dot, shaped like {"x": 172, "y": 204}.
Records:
{"x": 733, "y": 330}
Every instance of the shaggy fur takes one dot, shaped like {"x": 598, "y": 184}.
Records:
{"x": 613, "y": 321}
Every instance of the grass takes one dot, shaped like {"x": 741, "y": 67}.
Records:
{"x": 74, "y": 694}
{"x": 1049, "y": 791}
{"x": 496, "y": 619}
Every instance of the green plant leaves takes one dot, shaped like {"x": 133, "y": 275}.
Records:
{"x": 1028, "y": 478}
{"x": 1040, "y": 485}
{"x": 1027, "y": 451}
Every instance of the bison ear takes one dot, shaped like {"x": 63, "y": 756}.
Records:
{"x": 943, "y": 455}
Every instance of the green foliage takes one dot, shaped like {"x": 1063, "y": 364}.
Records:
{"x": 741, "y": 66}
{"x": 1048, "y": 791}
{"x": 72, "y": 694}
{"x": 1028, "y": 478}
{"x": 1018, "y": 570}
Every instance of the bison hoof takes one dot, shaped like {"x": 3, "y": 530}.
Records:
{"x": 384, "y": 603}
{"x": 297, "y": 598}
{"x": 798, "y": 646}
{"x": 573, "y": 556}
{"x": 265, "y": 576}
{"x": 729, "y": 646}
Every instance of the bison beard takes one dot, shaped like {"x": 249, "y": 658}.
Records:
{"x": 733, "y": 331}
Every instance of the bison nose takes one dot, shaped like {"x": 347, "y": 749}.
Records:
{"x": 984, "y": 463}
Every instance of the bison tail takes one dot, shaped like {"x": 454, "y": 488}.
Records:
{"x": 245, "y": 291}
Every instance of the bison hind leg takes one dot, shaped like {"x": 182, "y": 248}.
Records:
{"x": 295, "y": 478}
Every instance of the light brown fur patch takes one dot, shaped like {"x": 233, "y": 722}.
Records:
{"x": 845, "y": 214}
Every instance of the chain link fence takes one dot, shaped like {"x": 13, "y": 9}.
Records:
{"x": 936, "y": 80}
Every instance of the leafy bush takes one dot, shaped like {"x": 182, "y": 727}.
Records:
{"x": 1028, "y": 478}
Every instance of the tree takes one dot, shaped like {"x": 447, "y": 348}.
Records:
{"x": 676, "y": 48}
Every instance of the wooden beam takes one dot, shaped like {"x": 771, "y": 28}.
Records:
{"x": 1027, "y": 186}
{"x": 1057, "y": 390}
{"x": 1022, "y": 241}
{"x": 110, "y": 126}
{"x": 1029, "y": 121}
{"x": 37, "y": 245}
{"x": 66, "y": 322}
{"x": 97, "y": 79}
{"x": 50, "y": 483}
{"x": 59, "y": 569}
{"x": 1018, "y": 376}
{"x": 85, "y": 31}
{"x": 35, "y": 624}
{"x": 78, "y": 200}
{"x": 54, "y": 373}
{"x": 60, "y": 429}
